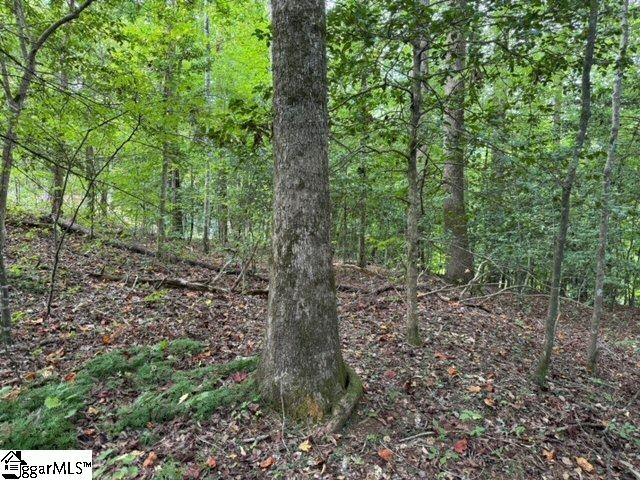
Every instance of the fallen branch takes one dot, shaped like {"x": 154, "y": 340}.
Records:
{"x": 178, "y": 283}
{"x": 132, "y": 247}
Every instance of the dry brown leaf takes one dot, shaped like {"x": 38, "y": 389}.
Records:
{"x": 212, "y": 462}
{"x": 474, "y": 389}
{"x": 461, "y": 446}
{"x": 489, "y": 402}
{"x": 150, "y": 460}
{"x": 385, "y": 454}
{"x": 70, "y": 377}
{"x": 453, "y": 371}
{"x": 550, "y": 455}
{"x": 584, "y": 464}
{"x": 267, "y": 463}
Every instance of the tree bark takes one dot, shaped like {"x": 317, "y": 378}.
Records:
{"x": 223, "y": 208}
{"x": 567, "y": 185}
{"x": 413, "y": 210}
{"x": 162, "y": 204}
{"x": 459, "y": 266}
{"x": 207, "y": 94}
{"x": 177, "y": 214}
{"x": 616, "y": 100}
{"x": 301, "y": 371}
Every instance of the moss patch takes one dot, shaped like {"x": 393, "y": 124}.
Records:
{"x": 44, "y": 415}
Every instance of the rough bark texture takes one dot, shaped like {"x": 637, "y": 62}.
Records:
{"x": 616, "y": 100}
{"x": 301, "y": 370}
{"x": 459, "y": 267}
{"x": 413, "y": 210}
{"x": 567, "y": 185}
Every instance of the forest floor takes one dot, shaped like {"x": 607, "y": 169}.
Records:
{"x": 110, "y": 370}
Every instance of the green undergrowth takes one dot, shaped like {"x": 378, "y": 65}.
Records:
{"x": 44, "y": 413}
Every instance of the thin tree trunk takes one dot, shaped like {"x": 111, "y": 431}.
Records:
{"x": 593, "y": 352}
{"x": 207, "y": 94}
{"x": 459, "y": 267}
{"x": 413, "y": 210}
{"x": 162, "y": 204}
{"x": 90, "y": 166}
{"x": 177, "y": 213}
{"x": 567, "y": 185}
{"x": 223, "y": 215}
{"x": 362, "y": 225}
{"x": 207, "y": 209}
{"x": 301, "y": 370}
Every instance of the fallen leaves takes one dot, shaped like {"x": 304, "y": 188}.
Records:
{"x": 305, "y": 446}
{"x": 452, "y": 371}
{"x": 584, "y": 464}
{"x": 267, "y": 463}
{"x": 461, "y": 446}
{"x": 70, "y": 377}
{"x": 150, "y": 460}
{"x": 474, "y": 389}
{"x": 385, "y": 454}
{"x": 550, "y": 455}
{"x": 212, "y": 462}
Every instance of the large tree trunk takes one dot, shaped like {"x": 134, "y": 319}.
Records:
{"x": 459, "y": 267}
{"x": 593, "y": 352}
{"x": 301, "y": 370}
{"x": 567, "y": 185}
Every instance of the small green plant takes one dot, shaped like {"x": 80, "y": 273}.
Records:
{"x": 156, "y": 296}
{"x": 470, "y": 416}
{"x": 170, "y": 470}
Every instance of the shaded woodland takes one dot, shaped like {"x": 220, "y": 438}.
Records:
{"x": 309, "y": 239}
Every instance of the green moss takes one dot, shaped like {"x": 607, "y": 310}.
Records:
{"x": 187, "y": 396}
{"x": 153, "y": 373}
{"x": 184, "y": 347}
{"x": 107, "y": 365}
{"x": 42, "y": 417}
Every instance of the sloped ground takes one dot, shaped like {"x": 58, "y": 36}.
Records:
{"x": 461, "y": 406}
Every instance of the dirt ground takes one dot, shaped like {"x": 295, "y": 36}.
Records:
{"x": 462, "y": 406}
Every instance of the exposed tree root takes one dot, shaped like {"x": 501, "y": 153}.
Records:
{"x": 343, "y": 409}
